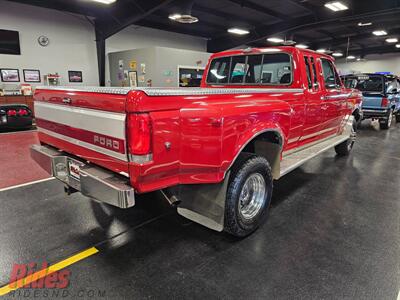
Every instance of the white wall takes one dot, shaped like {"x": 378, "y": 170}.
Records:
{"x": 136, "y": 37}
{"x": 72, "y": 45}
{"x": 72, "y": 42}
{"x": 373, "y": 63}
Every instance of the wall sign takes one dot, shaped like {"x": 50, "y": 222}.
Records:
{"x": 133, "y": 64}
{"x": 133, "y": 81}
{"x": 9, "y": 75}
{"x": 75, "y": 76}
{"x": 31, "y": 75}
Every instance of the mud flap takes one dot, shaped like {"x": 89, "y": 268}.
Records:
{"x": 203, "y": 203}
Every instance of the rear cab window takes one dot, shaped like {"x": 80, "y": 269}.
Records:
{"x": 371, "y": 84}
{"x": 254, "y": 69}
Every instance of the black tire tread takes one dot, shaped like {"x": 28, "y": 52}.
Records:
{"x": 245, "y": 162}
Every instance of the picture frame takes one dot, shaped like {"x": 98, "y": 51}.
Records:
{"x": 75, "y": 76}
{"x": 133, "y": 79}
{"x": 9, "y": 75}
{"x": 31, "y": 75}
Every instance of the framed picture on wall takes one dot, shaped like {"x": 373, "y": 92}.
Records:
{"x": 9, "y": 75}
{"x": 133, "y": 80}
{"x": 75, "y": 76}
{"x": 31, "y": 75}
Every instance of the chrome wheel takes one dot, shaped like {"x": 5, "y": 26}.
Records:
{"x": 252, "y": 196}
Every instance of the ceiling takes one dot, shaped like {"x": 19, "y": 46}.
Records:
{"x": 304, "y": 21}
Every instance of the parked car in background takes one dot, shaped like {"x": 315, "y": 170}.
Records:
{"x": 381, "y": 96}
{"x": 15, "y": 116}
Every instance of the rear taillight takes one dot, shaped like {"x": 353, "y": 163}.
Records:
{"x": 23, "y": 112}
{"x": 11, "y": 113}
{"x": 139, "y": 134}
{"x": 384, "y": 102}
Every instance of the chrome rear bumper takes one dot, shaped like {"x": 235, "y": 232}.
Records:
{"x": 93, "y": 182}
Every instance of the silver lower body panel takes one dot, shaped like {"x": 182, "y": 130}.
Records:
{"x": 92, "y": 181}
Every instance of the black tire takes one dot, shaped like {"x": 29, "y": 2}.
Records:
{"x": 387, "y": 122}
{"x": 249, "y": 169}
{"x": 345, "y": 148}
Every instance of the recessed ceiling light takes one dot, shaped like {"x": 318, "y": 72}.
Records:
{"x": 398, "y": 46}
{"x": 361, "y": 24}
{"x": 337, "y": 54}
{"x": 105, "y": 1}
{"x": 301, "y": 46}
{"x": 358, "y": 59}
{"x": 336, "y": 6}
{"x": 392, "y": 40}
{"x": 351, "y": 57}
{"x": 238, "y": 31}
{"x": 379, "y": 32}
{"x": 275, "y": 40}
{"x": 186, "y": 19}
{"x": 321, "y": 50}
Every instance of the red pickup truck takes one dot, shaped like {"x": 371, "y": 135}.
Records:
{"x": 213, "y": 151}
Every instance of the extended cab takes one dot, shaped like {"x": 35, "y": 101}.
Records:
{"x": 213, "y": 151}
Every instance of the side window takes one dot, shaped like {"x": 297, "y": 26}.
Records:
{"x": 238, "y": 69}
{"x": 330, "y": 76}
{"x": 219, "y": 70}
{"x": 308, "y": 71}
{"x": 253, "y": 71}
{"x": 315, "y": 76}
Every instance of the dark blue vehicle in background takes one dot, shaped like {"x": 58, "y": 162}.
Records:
{"x": 381, "y": 96}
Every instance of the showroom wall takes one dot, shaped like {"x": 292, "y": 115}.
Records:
{"x": 372, "y": 64}
{"x": 161, "y": 65}
{"x": 72, "y": 42}
{"x": 136, "y": 37}
{"x": 71, "y": 47}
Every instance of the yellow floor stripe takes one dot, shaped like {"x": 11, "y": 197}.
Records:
{"x": 51, "y": 269}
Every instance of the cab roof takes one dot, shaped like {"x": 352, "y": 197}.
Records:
{"x": 288, "y": 49}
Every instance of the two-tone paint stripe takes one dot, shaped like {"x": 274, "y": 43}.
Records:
{"x": 100, "y": 131}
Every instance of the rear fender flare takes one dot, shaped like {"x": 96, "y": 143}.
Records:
{"x": 250, "y": 136}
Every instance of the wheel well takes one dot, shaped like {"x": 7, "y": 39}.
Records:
{"x": 269, "y": 145}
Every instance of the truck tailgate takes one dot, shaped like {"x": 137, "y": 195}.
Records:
{"x": 88, "y": 125}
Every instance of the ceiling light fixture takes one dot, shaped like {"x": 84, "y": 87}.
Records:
{"x": 351, "y": 57}
{"x": 358, "y": 59}
{"x": 238, "y": 31}
{"x": 186, "y": 19}
{"x": 361, "y": 24}
{"x": 105, "y": 1}
{"x": 392, "y": 40}
{"x": 275, "y": 40}
{"x": 379, "y": 32}
{"x": 337, "y": 54}
{"x": 321, "y": 50}
{"x": 336, "y": 6}
{"x": 301, "y": 46}
{"x": 398, "y": 46}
